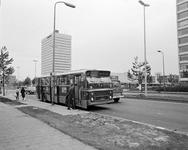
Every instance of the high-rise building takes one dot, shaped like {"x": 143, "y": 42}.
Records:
{"x": 62, "y": 60}
{"x": 182, "y": 30}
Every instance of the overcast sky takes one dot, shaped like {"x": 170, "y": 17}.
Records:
{"x": 106, "y": 34}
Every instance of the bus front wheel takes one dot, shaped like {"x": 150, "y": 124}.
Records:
{"x": 116, "y": 100}
{"x": 44, "y": 98}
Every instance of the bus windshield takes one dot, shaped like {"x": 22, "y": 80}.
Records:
{"x": 98, "y": 83}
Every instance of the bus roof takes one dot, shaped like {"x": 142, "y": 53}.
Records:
{"x": 72, "y": 72}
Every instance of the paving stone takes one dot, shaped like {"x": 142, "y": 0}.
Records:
{"x": 22, "y": 132}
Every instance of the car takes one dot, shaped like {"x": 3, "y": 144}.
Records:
{"x": 30, "y": 90}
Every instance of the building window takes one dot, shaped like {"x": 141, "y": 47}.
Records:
{"x": 179, "y": 1}
{"x": 183, "y": 49}
{"x": 183, "y": 40}
{"x": 184, "y": 58}
{"x": 183, "y": 32}
{"x": 182, "y": 23}
{"x": 183, "y": 6}
{"x": 184, "y": 74}
{"x": 183, "y": 15}
{"x": 183, "y": 66}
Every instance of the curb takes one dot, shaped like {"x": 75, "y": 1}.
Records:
{"x": 138, "y": 97}
{"x": 149, "y": 125}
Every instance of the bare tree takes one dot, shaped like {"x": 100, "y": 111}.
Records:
{"x": 138, "y": 71}
{"x": 4, "y": 63}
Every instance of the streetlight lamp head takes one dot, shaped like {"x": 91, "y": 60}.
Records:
{"x": 142, "y": 3}
{"x": 69, "y": 5}
{"x": 159, "y": 51}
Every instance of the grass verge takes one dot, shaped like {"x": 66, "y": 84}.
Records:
{"x": 109, "y": 133}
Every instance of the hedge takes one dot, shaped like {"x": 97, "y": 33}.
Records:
{"x": 178, "y": 88}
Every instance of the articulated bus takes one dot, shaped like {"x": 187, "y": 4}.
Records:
{"x": 92, "y": 87}
{"x": 117, "y": 89}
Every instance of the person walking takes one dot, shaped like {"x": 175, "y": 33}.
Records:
{"x": 17, "y": 93}
{"x": 23, "y": 93}
{"x": 71, "y": 100}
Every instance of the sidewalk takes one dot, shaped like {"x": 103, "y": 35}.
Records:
{"x": 19, "y": 131}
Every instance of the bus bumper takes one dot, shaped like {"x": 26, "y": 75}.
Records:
{"x": 100, "y": 102}
{"x": 118, "y": 96}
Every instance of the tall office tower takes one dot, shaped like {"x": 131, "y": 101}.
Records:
{"x": 62, "y": 60}
{"x": 182, "y": 29}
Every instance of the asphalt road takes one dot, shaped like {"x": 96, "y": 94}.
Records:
{"x": 170, "y": 115}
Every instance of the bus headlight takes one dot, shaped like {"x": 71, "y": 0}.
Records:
{"x": 110, "y": 97}
{"x": 110, "y": 85}
{"x": 92, "y": 99}
{"x": 91, "y": 87}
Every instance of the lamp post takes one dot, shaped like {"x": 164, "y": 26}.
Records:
{"x": 144, "y": 5}
{"x": 35, "y": 69}
{"x": 163, "y": 69}
{"x": 53, "y": 67}
{"x": 18, "y": 75}
{"x": 18, "y": 72}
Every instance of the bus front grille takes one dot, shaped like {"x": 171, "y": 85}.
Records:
{"x": 101, "y": 98}
{"x": 101, "y": 93}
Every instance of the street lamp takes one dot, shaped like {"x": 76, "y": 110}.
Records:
{"x": 144, "y": 5}
{"x": 18, "y": 72}
{"x": 18, "y": 75}
{"x": 163, "y": 69}
{"x": 53, "y": 67}
{"x": 35, "y": 69}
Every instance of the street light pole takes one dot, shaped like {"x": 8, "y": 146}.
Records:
{"x": 144, "y": 5}
{"x": 163, "y": 69}
{"x": 18, "y": 72}
{"x": 18, "y": 75}
{"x": 53, "y": 67}
{"x": 35, "y": 69}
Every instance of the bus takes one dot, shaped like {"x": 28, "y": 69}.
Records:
{"x": 92, "y": 87}
{"x": 117, "y": 89}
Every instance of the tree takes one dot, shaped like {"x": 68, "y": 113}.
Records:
{"x": 4, "y": 63}
{"x": 160, "y": 79}
{"x": 33, "y": 81}
{"x": 138, "y": 71}
{"x": 172, "y": 79}
{"x": 27, "y": 81}
{"x": 185, "y": 73}
{"x": 149, "y": 79}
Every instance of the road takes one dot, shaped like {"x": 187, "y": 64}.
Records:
{"x": 170, "y": 115}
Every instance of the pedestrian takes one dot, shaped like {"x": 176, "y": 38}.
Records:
{"x": 23, "y": 93}
{"x": 17, "y": 93}
{"x": 71, "y": 98}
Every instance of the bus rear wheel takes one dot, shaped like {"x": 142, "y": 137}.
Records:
{"x": 116, "y": 100}
{"x": 44, "y": 98}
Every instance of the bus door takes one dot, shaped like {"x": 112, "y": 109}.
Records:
{"x": 56, "y": 94}
{"x": 77, "y": 90}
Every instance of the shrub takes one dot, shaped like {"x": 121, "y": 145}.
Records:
{"x": 178, "y": 88}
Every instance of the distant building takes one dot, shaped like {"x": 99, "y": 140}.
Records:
{"x": 122, "y": 77}
{"x": 62, "y": 53}
{"x": 182, "y": 36}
